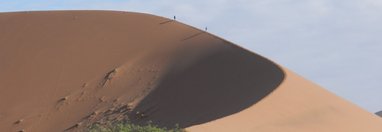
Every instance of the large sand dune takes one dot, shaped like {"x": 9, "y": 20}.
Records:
{"x": 63, "y": 70}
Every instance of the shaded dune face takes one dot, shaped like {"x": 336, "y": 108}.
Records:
{"x": 222, "y": 83}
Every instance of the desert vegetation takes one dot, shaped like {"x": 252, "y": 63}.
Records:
{"x": 129, "y": 127}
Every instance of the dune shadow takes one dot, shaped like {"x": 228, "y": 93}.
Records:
{"x": 167, "y": 21}
{"x": 223, "y": 83}
{"x": 192, "y": 36}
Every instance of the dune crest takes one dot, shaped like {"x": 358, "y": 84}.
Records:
{"x": 64, "y": 70}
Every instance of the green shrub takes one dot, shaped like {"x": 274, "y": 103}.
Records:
{"x": 126, "y": 127}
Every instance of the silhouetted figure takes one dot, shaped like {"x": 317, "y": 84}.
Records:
{"x": 205, "y": 28}
{"x": 174, "y": 17}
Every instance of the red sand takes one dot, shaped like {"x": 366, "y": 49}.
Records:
{"x": 62, "y": 68}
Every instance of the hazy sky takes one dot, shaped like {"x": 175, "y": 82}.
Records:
{"x": 335, "y": 43}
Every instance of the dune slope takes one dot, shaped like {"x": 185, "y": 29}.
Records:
{"x": 297, "y": 105}
{"x": 217, "y": 85}
{"x": 64, "y": 70}
{"x": 62, "y": 67}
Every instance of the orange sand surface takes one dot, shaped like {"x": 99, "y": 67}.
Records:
{"x": 64, "y": 70}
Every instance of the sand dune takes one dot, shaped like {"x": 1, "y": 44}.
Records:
{"x": 379, "y": 113}
{"x": 63, "y": 70}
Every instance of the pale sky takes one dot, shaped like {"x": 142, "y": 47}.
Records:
{"x": 335, "y": 43}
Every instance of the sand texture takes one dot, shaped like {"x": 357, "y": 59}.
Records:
{"x": 64, "y": 70}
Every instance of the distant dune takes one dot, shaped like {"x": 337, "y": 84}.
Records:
{"x": 64, "y": 70}
{"x": 379, "y": 113}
